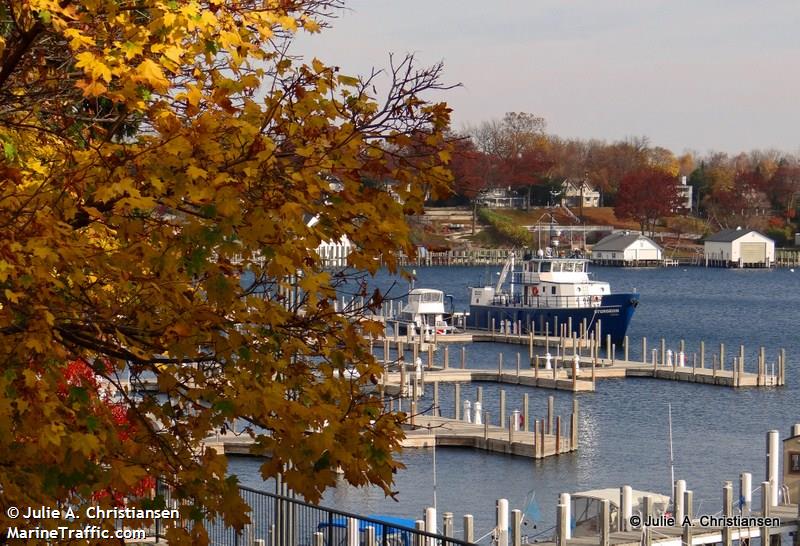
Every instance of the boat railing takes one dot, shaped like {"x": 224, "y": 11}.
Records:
{"x": 576, "y": 302}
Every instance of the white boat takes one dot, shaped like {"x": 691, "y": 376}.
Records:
{"x": 425, "y": 314}
{"x": 585, "y": 508}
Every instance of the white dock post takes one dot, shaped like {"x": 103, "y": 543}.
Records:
{"x": 436, "y": 410}
{"x": 502, "y": 522}
{"x": 457, "y": 397}
{"x": 480, "y": 395}
{"x": 419, "y": 540}
{"x": 467, "y": 411}
{"x": 727, "y": 510}
{"x": 515, "y": 420}
{"x": 626, "y": 507}
{"x": 663, "y": 352}
{"x": 562, "y": 524}
{"x": 550, "y": 403}
{"x": 463, "y": 357}
{"x": 446, "y": 357}
{"x": 677, "y": 499}
{"x": 469, "y": 526}
{"x": 773, "y": 466}
{"x": 352, "y": 532}
{"x": 516, "y": 528}
{"x": 721, "y": 356}
{"x": 519, "y": 364}
{"x": 605, "y": 522}
{"x": 500, "y": 366}
{"x": 319, "y": 539}
{"x": 746, "y": 492}
{"x": 477, "y": 413}
{"x": 430, "y": 521}
{"x": 566, "y": 500}
{"x": 447, "y": 524}
{"x": 626, "y": 348}
{"x": 609, "y": 354}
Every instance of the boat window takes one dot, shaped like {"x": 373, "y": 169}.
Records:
{"x": 431, "y": 297}
{"x": 553, "y": 290}
{"x": 556, "y": 267}
{"x": 569, "y": 266}
{"x": 545, "y": 267}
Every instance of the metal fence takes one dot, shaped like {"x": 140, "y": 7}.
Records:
{"x": 283, "y": 521}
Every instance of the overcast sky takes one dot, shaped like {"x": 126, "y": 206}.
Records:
{"x": 699, "y": 75}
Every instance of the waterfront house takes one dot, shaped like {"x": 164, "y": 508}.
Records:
{"x": 499, "y": 198}
{"x": 578, "y": 193}
{"x": 628, "y": 249}
{"x": 739, "y": 248}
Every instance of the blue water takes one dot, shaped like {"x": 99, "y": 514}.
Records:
{"x": 717, "y": 432}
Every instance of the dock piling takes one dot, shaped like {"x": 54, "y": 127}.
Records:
{"x": 605, "y": 522}
{"x": 525, "y": 426}
{"x": 727, "y": 510}
{"x": 677, "y": 496}
{"x": 550, "y": 403}
{"x": 644, "y": 350}
{"x": 516, "y": 527}
{"x": 469, "y": 526}
{"x": 702, "y": 354}
{"x": 457, "y": 398}
{"x": 773, "y": 465}
{"x": 502, "y": 408}
{"x": 463, "y": 357}
{"x": 746, "y": 492}
{"x": 447, "y": 524}
{"x": 626, "y": 507}
{"x": 501, "y": 519}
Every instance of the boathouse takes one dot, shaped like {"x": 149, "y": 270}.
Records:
{"x": 626, "y": 249}
{"x": 791, "y": 464}
{"x": 739, "y": 248}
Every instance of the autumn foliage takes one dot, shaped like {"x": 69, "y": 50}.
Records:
{"x": 646, "y": 195}
{"x": 161, "y": 162}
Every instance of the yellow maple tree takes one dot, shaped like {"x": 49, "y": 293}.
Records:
{"x": 161, "y": 161}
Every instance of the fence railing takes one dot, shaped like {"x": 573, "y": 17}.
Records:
{"x": 277, "y": 520}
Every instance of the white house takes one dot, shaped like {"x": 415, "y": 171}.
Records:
{"x": 499, "y": 198}
{"x": 577, "y": 192}
{"x": 685, "y": 191}
{"x": 739, "y": 248}
{"x": 626, "y": 248}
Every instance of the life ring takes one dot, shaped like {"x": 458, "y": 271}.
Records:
{"x": 535, "y": 290}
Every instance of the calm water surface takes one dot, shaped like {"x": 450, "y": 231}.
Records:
{"x": 717, "y": 432}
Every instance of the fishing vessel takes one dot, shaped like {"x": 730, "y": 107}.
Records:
{"x": 546, "y": 292}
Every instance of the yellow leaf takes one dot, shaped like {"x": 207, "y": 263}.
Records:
{"x": 196, "y": 172}
{"x": 151, "y": 74}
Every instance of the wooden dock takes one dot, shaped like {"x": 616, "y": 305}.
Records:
{"x": 428, "y": 431}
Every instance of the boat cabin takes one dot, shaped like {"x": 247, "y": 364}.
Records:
{"x": 425, "y": 310}
{"x": 585, "y": 508}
